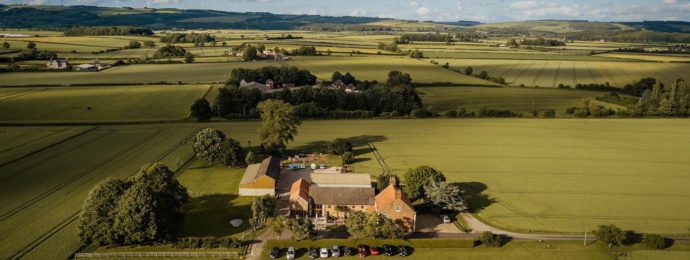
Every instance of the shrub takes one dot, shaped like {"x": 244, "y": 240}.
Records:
{"x": 654, "y": 241}
{"x": 610, "y": 235}
{"x": 451, "y": 114}
{"x": 339, "y": 146}
{"x": 490, "y": 239}
{"x": 347, "y": 158}
{"x": 570, "y": 110}
{"x": 550, "y": 113}
{"x": 421, "y": 113}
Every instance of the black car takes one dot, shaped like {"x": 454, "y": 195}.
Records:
{"x": 313, "y": 253}
{"x": 388, "y": 250}
{"x": 347, "y": 251}
{"x": 275, "y": 253}
{"x": 402, "y": 251}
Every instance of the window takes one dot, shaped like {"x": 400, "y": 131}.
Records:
{"x": 397, "y": 209}
{"x": 361, "y": 207}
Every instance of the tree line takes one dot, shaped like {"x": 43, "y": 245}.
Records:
{"x": 397, "y": 94}
{"x": 108, "y": 30}
{"x": 637, "y": 36}
{"x": 280, "y": 75}
{"x": 423, "y": 37}
{"x": 187, "y": 38}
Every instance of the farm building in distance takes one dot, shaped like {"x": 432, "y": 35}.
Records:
{"x": 260, "y": 178}
{"x": 58, "y": 63}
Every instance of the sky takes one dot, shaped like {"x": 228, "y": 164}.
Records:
{"x": 433, "y": 10}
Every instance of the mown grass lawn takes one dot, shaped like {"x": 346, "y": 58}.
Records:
{"x": 214, "y": 200}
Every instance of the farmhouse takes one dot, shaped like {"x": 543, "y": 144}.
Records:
{"x": 392, "y": 203}
{"x": 260, "y": 178}
{"x": 332, "y": 197}
{"x": 58, "y": 63}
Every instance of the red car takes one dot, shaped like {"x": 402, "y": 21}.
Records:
{"x": 361, "y": 250}
{"x": 374, "y": 251}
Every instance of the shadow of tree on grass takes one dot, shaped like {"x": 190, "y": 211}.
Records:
{"x": 210, "y": 215}
{"x": 359, "y": 144}
{"x": 476, "y": 199}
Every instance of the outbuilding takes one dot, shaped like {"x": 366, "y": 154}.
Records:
{"x": 260, "y": 179}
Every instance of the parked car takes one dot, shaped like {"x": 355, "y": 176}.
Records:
{"x": 388, "y": 250}
{"x": 313, "y": 253}
{"x": 290, "y": 253}
{"x": 275, "y": 253}
{"x": 347, "y": 251}
{"x": 374, "y": 251}
{"x": 324, "y": 253}
{"x": 335, "y": 252}
{"x": 402, "y": 251}
{"x": 445, "y": 218}
{"x": 361, "y": 250}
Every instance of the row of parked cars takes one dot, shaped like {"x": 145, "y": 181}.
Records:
{"x": 337, "y": 251}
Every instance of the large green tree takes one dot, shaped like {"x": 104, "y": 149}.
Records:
{"x": 446, "y": 196}
{"x": 418, "y": 178}
{"x": 397, "y": 78}
{"x": 279, "y": 124}
{"x": 610, "y": 235}
{"x": 302, "y": 229}
{"x": 263, "y": 207}
{"x": 96, "y": 218}
{"x": 145, "y": 208}
{"x": 232, "y": 153}
{"x": 201, "y": 110}
{"x": 356, "y": 223}
{"x": 249, "y": 54}
{"x": 208, "y": 145}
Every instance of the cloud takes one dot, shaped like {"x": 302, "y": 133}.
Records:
{"x": 358, "y": 12}
{"x": 414, "y": 4}
{"x": 523, "y": 5}
{"x": 162, "y": 2}
{"x": 670, "y": 2}
{"x": 459, "y": 6}
{"x": 423, "y": 10}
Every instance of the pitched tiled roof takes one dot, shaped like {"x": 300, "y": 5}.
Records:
{"x": 269, "y": 166}
{"x": 342, "y": 195}
{"x": 300, "y": 189}
{"x": 389, "y": 195}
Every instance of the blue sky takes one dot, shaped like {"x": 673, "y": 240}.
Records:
{"x": 436, "y": 10}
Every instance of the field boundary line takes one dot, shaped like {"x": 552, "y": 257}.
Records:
{"x": 69, "y": 181}
{"x": 48, "y": 147}
{"x": 20, "y": 94}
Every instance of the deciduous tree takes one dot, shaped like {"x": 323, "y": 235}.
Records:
{"x": 302, "y": 229}
{"x": 279, "y": 124}
{"x": 418, "y": 178}
{"x": 610, "y": 235}
{"x": 232, "y": 153}
{"x": 201, "y": 110}
{"x": 249, "y": 54}
{"x": 446, "y": 196}
{"x": 208, "y": 145}
{"x": 277, "y": 225}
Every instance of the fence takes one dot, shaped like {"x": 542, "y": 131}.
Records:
{"x": 155, "y": 254}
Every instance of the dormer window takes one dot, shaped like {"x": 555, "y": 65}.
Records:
{"x": 397, "y": 209}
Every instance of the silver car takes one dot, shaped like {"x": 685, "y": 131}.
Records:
{"x": 324, "y": 253}
{"x": 335, "y": 252}
{"x": 290, "y": 253}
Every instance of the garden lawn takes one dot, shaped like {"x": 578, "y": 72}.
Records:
{"x": 214, "y": 200}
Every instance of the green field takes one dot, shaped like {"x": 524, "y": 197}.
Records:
{"x": 44, "y": 191}
{"x": 544, "y": 175}
{"x": 519, "y": 100}
{"x": 545, "y": 73}
{"x": 98, "y": 104}
{"x": 149, "y": 73}
{"x": 377, "y": 68}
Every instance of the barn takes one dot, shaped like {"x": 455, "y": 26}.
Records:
{"x": 260, "y": 179}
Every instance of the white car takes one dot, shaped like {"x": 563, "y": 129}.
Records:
{"x": 445, "y": 218}
{"x": 335, "y": 252}
{"x": 324, "y": 253}
{"x": 290, "y": 253}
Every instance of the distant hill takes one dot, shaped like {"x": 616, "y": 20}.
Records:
{"x": 57, "y": 17}
{"x": 25, "y": 16}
